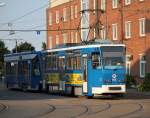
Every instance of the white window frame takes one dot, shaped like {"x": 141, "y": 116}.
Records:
{"x": 50, "y": 41}
{"x": 57, "y": 39}
{"x": 65, "y": 38}
{"x": 115, "y": 31}
{"x": 128, "y": 65}
{"x": 103, "y": 33}
{"x": 76, "y": 37}
{"x": 94, "y": 33}
{"x": 65, "y": 14}
{"x": 114, "y": 4}
{"x": 103, "y": 5}
{"x": 127, "y": 2}
{"x": 142, "y": 64}
{"x": 72, "y": 37}
{"x": 142, "y": 22}
{"x": 57, "y": 17}
{"x": 76, "y": 11}
{"x": 72, "y": 12}
{"x": 128, "y": 29}
{"x": 50, "y": 18}
{"x": 94, "y": 5}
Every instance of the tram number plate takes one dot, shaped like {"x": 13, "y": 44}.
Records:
{"x": 114, "y": 88}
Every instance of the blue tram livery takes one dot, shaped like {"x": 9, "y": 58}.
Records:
{"x": 23, "y": 70}
{"x": 91, "y": 69}
{"x": 80, "y": 69}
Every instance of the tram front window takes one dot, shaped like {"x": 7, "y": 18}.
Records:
{"x": 113, "y": 61}
{"x": 113, "y": 57}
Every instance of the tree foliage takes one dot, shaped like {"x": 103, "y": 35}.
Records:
{"x": 3, "y": 50}
{"x": 43, "y": 45}
{"x": 24, "y": 47}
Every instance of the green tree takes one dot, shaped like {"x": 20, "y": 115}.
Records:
{"x": 43, "y": 45}
{"x": 3, "y": 50}
{"x": 23, "y": 47}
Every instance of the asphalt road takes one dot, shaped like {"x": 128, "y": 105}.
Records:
{"x": 18, "y": 104}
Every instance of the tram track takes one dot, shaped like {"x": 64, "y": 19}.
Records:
{"x": 140, "y": 108}
{"x": 82, "y": 113}
{"x": 107, "y": 107}
{"x": 3, "y": 107}
{"x": 51, "y": 109}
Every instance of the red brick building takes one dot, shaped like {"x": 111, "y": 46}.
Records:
{"x": 125, "y": 21}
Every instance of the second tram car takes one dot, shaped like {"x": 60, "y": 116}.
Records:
{"x": 23, "y": 70}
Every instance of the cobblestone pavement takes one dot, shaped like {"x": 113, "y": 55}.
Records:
{"x": 15, "y": 104}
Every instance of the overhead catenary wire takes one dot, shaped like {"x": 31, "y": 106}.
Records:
{"x": 42, "y": 30}
{"x": 26, "y": 14}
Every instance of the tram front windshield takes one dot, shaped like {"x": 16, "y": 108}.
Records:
{"x": 113, "y": 57}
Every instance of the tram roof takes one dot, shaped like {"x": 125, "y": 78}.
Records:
{"x": 81, "y": 46}
{"x": 21, "y": 56}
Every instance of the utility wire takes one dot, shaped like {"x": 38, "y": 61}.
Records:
{"x": 26, "y": 14}
{"x": 20, "y": 30}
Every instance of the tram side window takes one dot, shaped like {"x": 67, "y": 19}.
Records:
{"x": 77, "y": 62}
{"x": 51, "y": 63}
{"x": 70, "y": 63}
{"x": 36, "y": 67}
{"x": 11, "y": 68}
{"x": 25, "y": 68}
{"x": 74, "y": 63}
{"x": 61, "y": 63}
{"x": 8, "y": 68}
{"x": 96, "y": 60}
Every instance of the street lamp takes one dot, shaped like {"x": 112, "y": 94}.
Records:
{"x": 2, "y": 4}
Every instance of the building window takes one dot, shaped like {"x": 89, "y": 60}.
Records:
{"x": 65, "y": 37}
{"x": 114, "y": 3}
{"x": 127, "y": 2}
{"x": 142, "y": 27}
{"x": 142, "y": 65}
{"x": 94, "y": 5}
{"x": 76, "y": 11}
{"x": 57, "y": 39}
{"x": 114, "y": 32}
{"x": 72, "y": 12}
{"x": 65, "y": 14}
{"x": 50, "y": 41}
{"x": 128, "y": 29}
{"x": 76, "y": 37}
{"x": 50, "y": 19}
{"x": 57, "y": 17}
{"x": 94, "y": 32}
{"x": 103, "y": 5}
{"x": 128, "y": 64}
{"x": 103, "y": 33}
{"x": 72, "y": 37}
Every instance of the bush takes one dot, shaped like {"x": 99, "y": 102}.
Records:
{"x": 130, "y": 81}
{"x": 145, "y": 85}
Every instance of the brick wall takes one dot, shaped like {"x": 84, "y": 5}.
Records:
{"x": 135, "y": 45}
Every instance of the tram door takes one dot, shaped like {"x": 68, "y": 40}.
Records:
{"x": 84, "y": 62}
{"x": 26, "y": 73}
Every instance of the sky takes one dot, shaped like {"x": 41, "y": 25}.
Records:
{"x": 23, "y": 15}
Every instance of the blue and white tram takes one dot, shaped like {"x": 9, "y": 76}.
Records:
{"x": 23, "y": 70}
{"x": 91, "y": 69}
